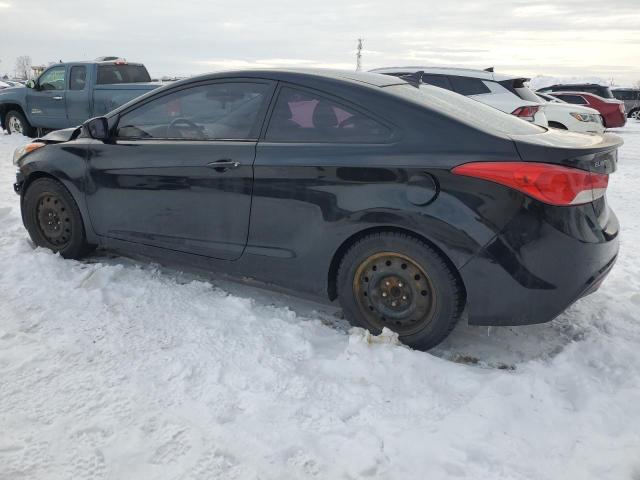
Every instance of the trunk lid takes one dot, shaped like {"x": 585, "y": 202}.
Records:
{"x": 594, "y": 153}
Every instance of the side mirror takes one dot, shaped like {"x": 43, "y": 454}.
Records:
{"x": 30, "y": 84}
{"x": 97, "y": 128}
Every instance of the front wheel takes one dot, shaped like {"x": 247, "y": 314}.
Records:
{"x": 635, "y": 114}
{"x": 16, "y": 123}
{"x": 53, "y": 219}
{"x": 397, "y": 281}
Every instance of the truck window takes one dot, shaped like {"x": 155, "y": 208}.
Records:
{"x": 52, "y": 79}
{"x": 122, "y": 73}
{"x": 77, "y": 78}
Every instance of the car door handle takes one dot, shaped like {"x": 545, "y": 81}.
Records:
{"x": 58, "y": 97}
{"x": 223, "y": 165}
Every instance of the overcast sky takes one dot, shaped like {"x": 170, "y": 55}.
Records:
{"x": 559, "y": 38}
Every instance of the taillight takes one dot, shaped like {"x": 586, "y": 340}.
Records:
{"x": 621, "y": 108}
{"x": 526, "y": 113}
{"x": 552, "y": 184}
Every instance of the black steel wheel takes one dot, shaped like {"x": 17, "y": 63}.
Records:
{"x": 53, "y": 219}
{"x": 397, "y": 281}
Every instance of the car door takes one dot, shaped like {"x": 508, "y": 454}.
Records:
{"x": 178, "y": 172}
{"x": 77, "y": 95}
{"x": 46, "y": 101}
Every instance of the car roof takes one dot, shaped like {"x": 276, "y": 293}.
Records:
{"x": 576, "y": 85}
{"x": 459, "y": 71}
{"x": 302, "y": 74}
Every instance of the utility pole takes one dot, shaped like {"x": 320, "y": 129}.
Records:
{"x": 359, "y": 55}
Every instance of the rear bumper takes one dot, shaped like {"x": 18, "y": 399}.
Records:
{"x": 544, "y": 260}
{"x": 615, "y": 120}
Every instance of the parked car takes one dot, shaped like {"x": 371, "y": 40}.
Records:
{"x": 408, "y": 205}
{"x": 575, "y": 118}
{"x": 612, "y": 110}
{"x": 593, "y": 88}
{"x": 498, "y": 91}
{"x": 67, "y": 94}
{"x": 631, "y": 99}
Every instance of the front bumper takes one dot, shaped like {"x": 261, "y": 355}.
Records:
{"x": 544, "y": 260}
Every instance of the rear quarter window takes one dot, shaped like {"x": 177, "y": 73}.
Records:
{"x": 468, "y": 86}
{"x": 114, "y": 74}
{"x": 464, "y": 110}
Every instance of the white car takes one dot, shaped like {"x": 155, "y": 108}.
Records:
{"x": 567, "y": 116}
{"x": 496, "y": 90}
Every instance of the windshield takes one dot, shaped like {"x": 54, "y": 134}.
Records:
{"x": 112, "y": 73}
{"x": 465, "y": 109}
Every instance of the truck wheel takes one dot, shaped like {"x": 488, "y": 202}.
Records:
{"x": 16, "y": 123}
{"x": 53, "y": 219}
{"x": 396, "y": 281}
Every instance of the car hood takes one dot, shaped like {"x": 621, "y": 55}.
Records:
{"x": 59, "y": 136}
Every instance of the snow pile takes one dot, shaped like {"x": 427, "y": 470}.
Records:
{"x": 115, "y": 368}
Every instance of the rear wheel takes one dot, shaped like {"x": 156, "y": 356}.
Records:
{"x": 53, "y": 219}
{"x": 396, "y": 281}
{"x": 635, "y": 114}
{"x": 16, "y": 123}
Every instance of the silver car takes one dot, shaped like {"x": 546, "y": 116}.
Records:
{"x": 631, "y": 99}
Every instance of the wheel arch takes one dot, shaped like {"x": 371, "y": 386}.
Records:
{"x": 75, "y": 194}
{"x": 8, "y": 107}
{"x": 554, "y": 124}
{"x": 332, "y": 276}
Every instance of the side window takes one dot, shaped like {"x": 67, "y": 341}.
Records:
{"x": 437, "y": 80}
{"x": 207, "y": 112}
{"x": 52, "y": 79}
{"x": 574, "y": 99}
{"x": 77, "y": 78}
{"x": 468, "y": 86}
{"x": 300, "y": 116}
{"x": 624, "y": 94}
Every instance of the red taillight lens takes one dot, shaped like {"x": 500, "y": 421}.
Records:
{"x": 526, "y": 112}
{"x": 552, "y": 184}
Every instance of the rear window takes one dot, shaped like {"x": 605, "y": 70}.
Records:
{"x": 468, "y": 85}
{"x": 465, "y": 109}
{"x": 110, "y": 74}
{"x": 626, "y": 94}
{"x": 437, "y": 81}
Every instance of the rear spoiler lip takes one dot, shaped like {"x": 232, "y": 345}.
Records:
{"x": 594, "y": 156}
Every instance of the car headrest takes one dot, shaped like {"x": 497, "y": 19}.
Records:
{"x": 324, "y": 116}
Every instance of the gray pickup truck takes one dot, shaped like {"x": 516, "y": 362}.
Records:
{"x": 67, "y": 94}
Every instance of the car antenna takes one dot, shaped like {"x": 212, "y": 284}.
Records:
{"x": 414, "y": 78}
{"x": 490, "y": 69}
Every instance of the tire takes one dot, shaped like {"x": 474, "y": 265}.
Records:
{"x": 389, "y": 267}
{"x": 635, "y": 114}
{"x": 557, "y": 125}
{"x": 16, "y": 123}
{"x": 53, "y": 219}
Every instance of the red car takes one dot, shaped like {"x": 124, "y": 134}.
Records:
{"x": 612, "y": 111}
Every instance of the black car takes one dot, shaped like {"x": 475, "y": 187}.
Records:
{"x": 408, "y": 205}
{"x": 594, "y": 88}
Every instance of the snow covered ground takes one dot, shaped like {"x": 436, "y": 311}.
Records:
{"x": 116, "y": 368}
